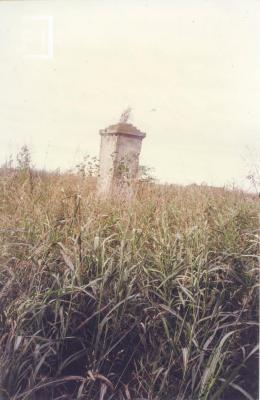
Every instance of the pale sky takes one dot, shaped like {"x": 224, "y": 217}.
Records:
{"x": 189, "y": 68}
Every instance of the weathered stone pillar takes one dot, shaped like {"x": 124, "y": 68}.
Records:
{"x": 119, "y": 156}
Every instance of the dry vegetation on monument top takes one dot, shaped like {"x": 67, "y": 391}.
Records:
{"x": 111, "y": 299}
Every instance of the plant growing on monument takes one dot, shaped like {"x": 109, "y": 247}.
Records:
{"x": 122, "y": 170}
{"x": 125, "y": 115}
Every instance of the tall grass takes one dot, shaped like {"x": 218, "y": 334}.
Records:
{"x": 154, "y": 297}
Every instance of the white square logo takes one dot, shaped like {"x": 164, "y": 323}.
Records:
{"x": 37, "y": 37}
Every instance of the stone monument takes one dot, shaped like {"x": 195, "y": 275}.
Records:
{"x": 119, "y": 154}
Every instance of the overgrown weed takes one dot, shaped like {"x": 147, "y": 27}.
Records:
{"x": 156, "y": 297}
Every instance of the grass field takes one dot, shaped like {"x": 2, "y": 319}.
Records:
{"x": 154, "y": 297}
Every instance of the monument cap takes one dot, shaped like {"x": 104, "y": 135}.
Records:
{"x": 122, "y": 128}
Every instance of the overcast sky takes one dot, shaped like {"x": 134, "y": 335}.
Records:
{"x": 189, "y": 68}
